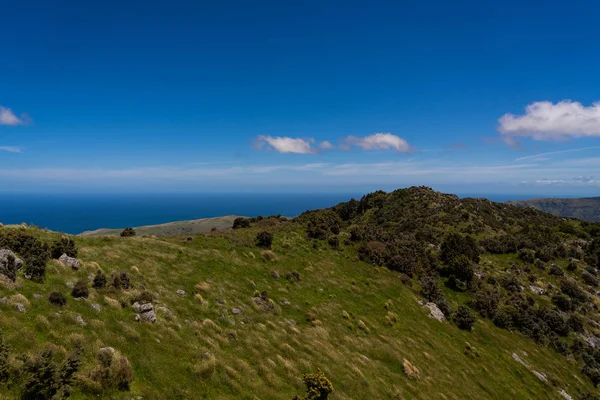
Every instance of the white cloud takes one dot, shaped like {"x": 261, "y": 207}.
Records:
{"x": 11, "y": 149}
{"x": 326, "y": 145}
{"x": 549, "y": 181}
{"x": 7, "y": 117}
{"x": 287, "y": 144}
{"x": 544, "y": 120}
{"x": 380, "y": 141}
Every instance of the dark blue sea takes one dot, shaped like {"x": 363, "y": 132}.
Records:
{"x": 81, "y": 212}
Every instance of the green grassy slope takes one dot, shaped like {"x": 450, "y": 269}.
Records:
{"x": 262, "y": 355}
{"x": 587, "y": 209}
{"x": 171, "y": 228}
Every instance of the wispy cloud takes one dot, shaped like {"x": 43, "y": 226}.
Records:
{"x": 545, "y": 120}
{"x": 379, "y": 141}
{"x": 326, "y": 145}
{"x": 542, "y": 156}
{"x": 8, "y": 117}
{"x": 11, "y": 149}
{"x": 286, "y": 144}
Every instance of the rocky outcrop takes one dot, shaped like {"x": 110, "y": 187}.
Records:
{"x": 434, "y": 311}
{"x": 70, "y": 261}
{"x": 10, "y": 264}
{"x": 146, "y": 313}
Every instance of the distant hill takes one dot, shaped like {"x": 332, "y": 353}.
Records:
{"x": 587, "y": 209}
{"x": 171, "y": 228}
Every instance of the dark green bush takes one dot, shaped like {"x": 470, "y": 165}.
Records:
{"x": 80, "y": 290}
{"x": 100, "y": 280}
{"x": 240, "y": 223}
{"x": 128, "y": 232}
{"x": 318, "y": 386}
{"x": 455, "y": 245}
{"x": 57, "y": 298}
{"x": 264, "y": 239}
{"x": 462, "y": 268}
{"x": 464, "y": 318}
{"x": 64, "y": 245}
{"x": 334, "y": 242}
{"x": 4, "y": 352}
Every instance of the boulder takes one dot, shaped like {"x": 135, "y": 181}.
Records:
{"x": 536, "y": 289}
{"x": 147, "y": 307}
{"x": 20, "y": 307}
{"x": 434, "y": 311}
{"x": 37, "y": 296}
{"x": 181, "y": 293}
{"x": 10, "y": 264}
{"x": 275, "y": 274}
{"x": 109, "y": 351}
{"x": 70, "y": 261}
{"x": 236, "y": 311}
{"x": 149, "y": 316}
{"x": 96, "y": 306}
{"x": 136, "y": 307}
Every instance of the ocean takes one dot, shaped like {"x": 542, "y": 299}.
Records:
{"x": 75, "y": 213}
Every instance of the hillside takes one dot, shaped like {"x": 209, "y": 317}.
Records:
{"x": 587, "y": 209}
{"x": 340, "y": 290}
{"x": 171, "y": 228}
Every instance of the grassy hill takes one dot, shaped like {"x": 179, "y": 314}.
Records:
{"x": 171, "y": 228}
{"x": 587, "y": 209}
{"x": 338, "y": 291}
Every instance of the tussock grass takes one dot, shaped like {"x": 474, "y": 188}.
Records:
{"x": 356, "y": 323}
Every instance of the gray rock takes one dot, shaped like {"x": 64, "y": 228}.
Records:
{"x": 259, "y": 301}
{"x": 136, "y": 307}
{"x": 37, "y": 296}
{"x": 275, "y": 274}
{"x": 96, "y": 306}
{"x": 70, "y": 285}
{"x": 206, "y": 356}
{"x": 540, "y": 376}
{"x": 148, "y": 316}
{"x": 70, "y": 261}
{"x": 4, "y": 300}
{"x": 284, "y": 302}
{"x": 181, "y": 293}
{"x": 10, "y": 264}
{"x": 536, "y": 289}
{"x": 80, "y": 321}
{"x": 144, "y": 308}
{"x": 91, "y": 278}
{"x": 516, "y": 357}
{"x": 435, "y": 312}
{"x": 20, "y": 307}
{"x": 236, "y": 311}
{"x": 565, "y": 395}
{"x": 592, "y": 340}
{"x": 107, "y": 350}
{"x": 137, "y": 317}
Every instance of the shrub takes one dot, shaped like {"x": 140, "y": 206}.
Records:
{"x": 57, "y": 298}
{"x": 571, "y": 289}
{"x": 100, "y": 280}
{"x": 373, "y": 252}
{"x": 64, "y": 245}
{"x": 264, "y": 239}
{"x": 121, "y": 281}
{"x": 430, "y": 289}
{"x": 240, "y": 223}
{"x": 128, "y": 232}
{"x": 318, "y": 386}
{"x": 4, "y": 351}
{"x": 406, "y": 263}
{"x": 527, "y": 255}
{"x": 555, "y": 270}
{"x": 486, "y": 301}
{"x": 334, "y": 242}
{"x": 562, "y": 303}
{"x": 465, "y": 318}
{"x": 589, "y": 279}
{"x": 455, "y": 245}
{"x": 462, "y": 268}
{"x": 80, "y": 290}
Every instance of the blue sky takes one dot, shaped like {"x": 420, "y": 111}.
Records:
{"x": 467, "y": 96}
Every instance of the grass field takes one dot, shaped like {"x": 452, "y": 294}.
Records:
{"x": 200, "y": 349}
